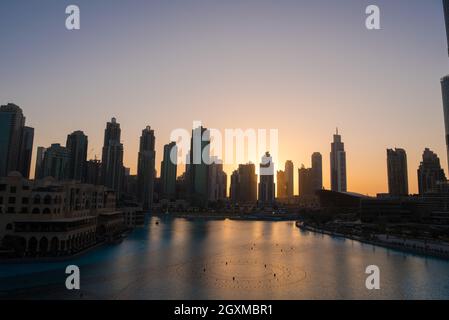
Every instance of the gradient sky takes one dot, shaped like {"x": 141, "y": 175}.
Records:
{"x": 304, "y": 67}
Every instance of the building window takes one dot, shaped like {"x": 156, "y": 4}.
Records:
{"x": 1, "y": 200}
{"x": 37, "y": 199}
{"x": 12, "y": 200}
{"x": 24, "y": 210}
{"x": 11, "y": 210}
{"x": 13, "y": 189}
{"x": 9, "y": 226}
{"x": 2, "y": 187}
{"x": 47, "y": 199}
{"x": 25, "y": 200}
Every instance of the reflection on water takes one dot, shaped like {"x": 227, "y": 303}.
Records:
{"x": 180, "y": 259}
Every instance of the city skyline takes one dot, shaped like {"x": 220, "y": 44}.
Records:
{"x": 154, "y": 86}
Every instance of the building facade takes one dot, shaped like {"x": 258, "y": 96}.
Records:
{"x": 169, "y": 171}
{"x": 146, "y": 170}
{"x": 77, "y": 143}
{"x": 289, "y": 179}
{"x": 49, "y": 218}
{"x": 338, "y": 164}
{"x": 112, "y": 157}
{"x": 56, "y": 162}
{"x": 317, "y": 171}
{"x": 16, "y": 141}
{"x": 397, "y": 172}
{"x": 430, "y": 173}
{"x": 266, "y": 184}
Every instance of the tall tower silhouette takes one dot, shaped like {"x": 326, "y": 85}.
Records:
{"x": 445, "y": 82}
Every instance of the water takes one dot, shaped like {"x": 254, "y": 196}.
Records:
{"x": 180, "y": 259}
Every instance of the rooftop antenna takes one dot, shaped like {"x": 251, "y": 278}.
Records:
{"x": 337, "y": 131}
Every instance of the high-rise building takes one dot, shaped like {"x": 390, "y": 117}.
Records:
{"x": 266, "y": 183}
{"x": 338, "y": 164}
{"x": 217, "y": 181}
{"x": 281, "y": 181}
{"x": 146, "y": 170}
{"x": 446, "y": 18}
{"x": 445, "y": 83}
{"x": 317, "y": 171}
{"x": 38, "y": 171}
{"x": 430, "y": 172}
{"x": 289, "y": 178}
{"x": 169, "y": 170}
{"x": 445, "y": 93}
{"x": 93, "y": 172}
{"x": 16, "y": 141}
{"x": 306, "y": 182}
{"x": 112, "y": 157}
{"x": 397, "y": 172}
{"x": 26, "y": 151}
{"x": 56, "y": 162}
{"x": 77, "y": 145}
{"x": 244, "y": 184}
{"x": 198, "y": 168}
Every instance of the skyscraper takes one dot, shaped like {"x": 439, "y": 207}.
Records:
{"x": 289, "y": 178}
{"x": 16, "y": 141}
{"x": 446, "y": 18}
{"x": 198, "y": 168}
{"x": 266, "y": 183}
{"x": 217, "y": 181}
{"x": 169, "y": 171}
{"x": 430, "y": 172}
{"x": 317, "y": 171}
{"x": 38, "y": 171}
{"x": 56, "y": 162}
{"x": 112, "y": 157}
{"x": 338, "y": 164}
{"x": 281, "y": 190}
{"x": 146, "y": 169}
{"x": 77, "y": 145}
{"x": 26, "y": 151}
{"x": 244, "y": 184}
{"x": 305, "y": 182}
{"x": 397, "y": 172}
{"x": 93, "y": 172}
{"x": 445, "y": 93}
{"x": 445, "y": 83}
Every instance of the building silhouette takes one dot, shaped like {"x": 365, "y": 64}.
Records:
{"x": 266, "y": 183}
{"x": 430, "y": 173}
{"x": 397, "y": 172}
{"x": 446, "y": 19}
{"x": 217, "y": 181}
{"x": 169, "y": 171}
{"x": 56, "y": 162}
{"x": 112, "y": 157}
{"x": 289, "y": 178}
{"x": 338, "y": 164}
{"x": 93, "y": 172}
{"x": 281, "y": 182}
{"x": 445, "y": 93}
{"x": 445, "y": 83}
{"x": 38, "y": 171}
{"x": 146, "y": 170}
{"x": 16, "y": 141}
{"x": 317, "y": 171}
{"x": 305, "y": 182}
{"x": 77, "y": 145}
{"x": 244, "y": 184}
{"x": 198, "y": 167}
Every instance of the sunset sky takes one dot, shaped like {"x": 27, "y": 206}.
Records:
{"x": 303, "y": 67}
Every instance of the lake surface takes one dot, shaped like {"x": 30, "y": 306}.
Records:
{"x": 181, "y": 259}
